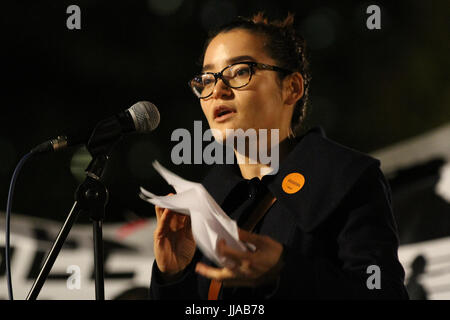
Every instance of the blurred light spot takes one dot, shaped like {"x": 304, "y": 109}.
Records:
{"x": 319, "y": 29}
{"x": 140, "y": 157}
{"x": 164, "y": 7}
{"x": 78, "y": 164}
{"x": 216, "y": 13}
{"x": 443, "y": 186}
{"x": 8, "y": 156}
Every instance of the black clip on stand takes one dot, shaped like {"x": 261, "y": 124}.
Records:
{"x": 91, "y": 197}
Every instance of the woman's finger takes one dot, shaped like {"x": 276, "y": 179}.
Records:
{"x": 177, "y": 221}
{"x": 242, "y": 269}
{"x": 249, "y": 237}
{"x": 233, "y": 254}
{"x": 219, "y": 274}
{"x": 163, "y": 224}
{"x": 159, "y": 210}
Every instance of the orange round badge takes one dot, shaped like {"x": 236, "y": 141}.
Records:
{"x": 293, "y": 182}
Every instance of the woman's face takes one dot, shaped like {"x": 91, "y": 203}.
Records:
{"x": 260, "y": 104}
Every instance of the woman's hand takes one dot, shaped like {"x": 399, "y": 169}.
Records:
{"x": 173, "y": 243}
{"x": 250, "y": 268}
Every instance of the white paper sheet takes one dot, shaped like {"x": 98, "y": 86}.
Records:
{"x": 209, "y": 222}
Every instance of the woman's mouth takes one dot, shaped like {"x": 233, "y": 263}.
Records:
{"x": 223, "y": 113}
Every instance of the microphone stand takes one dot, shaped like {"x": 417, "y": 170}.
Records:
{"x": 91, "y": 197}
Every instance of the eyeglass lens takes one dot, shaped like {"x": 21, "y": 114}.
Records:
{"x": 234, "y": 76}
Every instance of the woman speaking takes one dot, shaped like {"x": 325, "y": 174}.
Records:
{"x": 321, "y": 227}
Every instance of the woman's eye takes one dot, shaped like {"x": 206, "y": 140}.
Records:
{"x": 242, "y": 71}
{"x": 207, "y": 81}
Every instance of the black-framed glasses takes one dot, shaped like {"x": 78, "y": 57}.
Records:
{"x": 236, "y": 75}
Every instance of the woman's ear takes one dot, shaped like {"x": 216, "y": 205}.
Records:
{"x": 293, "y": 88}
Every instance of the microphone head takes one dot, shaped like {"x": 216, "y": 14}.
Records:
{"x": 145, "y": 116}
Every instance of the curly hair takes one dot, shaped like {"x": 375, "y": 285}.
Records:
{"x": 285, "y": 46}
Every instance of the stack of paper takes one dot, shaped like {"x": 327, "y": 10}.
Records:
{"x": 209, "y": 222}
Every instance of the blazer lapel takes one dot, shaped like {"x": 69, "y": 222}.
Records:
{"x": 329, "y": 171}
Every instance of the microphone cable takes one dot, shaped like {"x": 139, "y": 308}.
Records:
{"x": 8, "y": 221}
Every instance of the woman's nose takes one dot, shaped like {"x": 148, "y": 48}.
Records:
{"x": 221, "y": 90}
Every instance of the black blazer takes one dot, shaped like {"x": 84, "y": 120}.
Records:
{"x": 336, "y": 226}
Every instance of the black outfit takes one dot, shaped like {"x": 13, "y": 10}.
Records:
{"x": 332, "y": 229}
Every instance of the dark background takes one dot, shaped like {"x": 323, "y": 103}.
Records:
{"x": 370, "y": 88}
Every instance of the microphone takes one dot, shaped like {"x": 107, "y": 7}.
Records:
{"x": 142, "y": 117}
